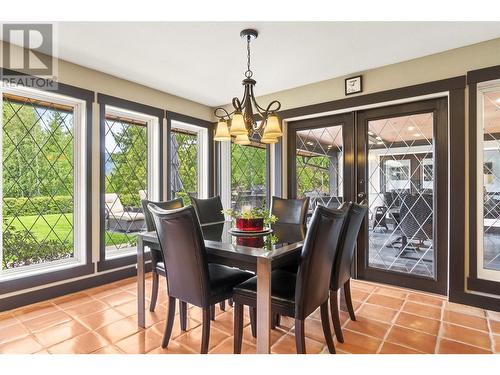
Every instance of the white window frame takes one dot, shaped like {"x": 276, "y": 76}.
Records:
{"x": 153, "y": 181}
{"x": 482, "y": 88}
{"x": 203, "y": 157}
{"x": 79, "y": 184}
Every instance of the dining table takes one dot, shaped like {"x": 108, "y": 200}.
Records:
{"x": 260, "y": 253}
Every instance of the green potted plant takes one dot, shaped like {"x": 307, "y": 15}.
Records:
{"x": 251, "y": 219}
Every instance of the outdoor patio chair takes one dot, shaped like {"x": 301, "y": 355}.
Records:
{"x": 119, "y": 219}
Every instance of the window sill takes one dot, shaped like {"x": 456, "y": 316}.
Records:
{"x": 51, "y": 276}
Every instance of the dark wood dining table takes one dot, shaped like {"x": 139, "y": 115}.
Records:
{"x": 257, "y": 253}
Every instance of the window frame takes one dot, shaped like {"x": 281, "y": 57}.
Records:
{"x": 210, "y": 167}
{"x": 478, "y": 279}
{"x": 225, "y": 174}
{"x": 203, "y": 158}
{"x": 123, "y": 105}
{"x": 45, "y": 274}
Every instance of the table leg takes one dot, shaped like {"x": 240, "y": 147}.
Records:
{"x": 263, "y": 306}
{"x": 141, "y": 284}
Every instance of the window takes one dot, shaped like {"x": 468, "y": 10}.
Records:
{"x": 43, "y": 182}
{"x": 129, "y": 176}
{"x": 188, "y": 161}
{"x": 488, "y": 179}
{"x": 249, "y": 174}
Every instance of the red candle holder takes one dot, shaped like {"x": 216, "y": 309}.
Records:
{"x": 250, "y": 224}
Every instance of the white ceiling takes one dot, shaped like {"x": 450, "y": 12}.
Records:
{"x": 205, "y": 61}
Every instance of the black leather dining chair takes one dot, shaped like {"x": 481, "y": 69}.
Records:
{"x": 342, "y": 264}
{"x": 209, "y": 210}
{"x": 190, "y": 278}
{"x": 299, "y": 294}
{"x": 290, "y": 211}
{"x": 157, "y": 264}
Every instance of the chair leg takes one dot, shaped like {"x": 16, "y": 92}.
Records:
{"x": 183, "y": 315}
{"x": 154, "y": 291}
{"x": 205, "y": 336}
{"x": 170, "y": 322}
{"x": 222, "y": 305}
{"x": 252, "y": 311}
{"x": 212, "y": 312}
{"x": 334, "y": 308}
{"x": 300, "y": 340}
{"x": 325, "y": 322}
{"x": 278, "y": 320}
{"x": 348, "y": 300}
{"x": 238, "y": 327}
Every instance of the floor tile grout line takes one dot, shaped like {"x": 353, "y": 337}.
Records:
{"x": 490, "y": 333}
{"x": 392, "y": 323}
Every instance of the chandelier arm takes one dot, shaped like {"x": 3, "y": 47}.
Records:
{"x": 261, "y": 111}
{"x": 224, "y": 115}
{"x": 270, "y": 105}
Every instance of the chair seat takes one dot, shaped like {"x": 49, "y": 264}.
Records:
{"x": 223, "y": 279}
{"x": 282, "y": 289}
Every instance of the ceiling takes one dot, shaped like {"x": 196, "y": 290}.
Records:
{"x": 205, "y": 61}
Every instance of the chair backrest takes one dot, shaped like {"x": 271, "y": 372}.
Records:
{"x": 341, "y": 271}
{"x": 290, "y": 211}
{"x": 183, "y": 249}
{"x": 416, "y": 217}
{"x": 165, "y": 205}
{"x": 316, "y": 259}
{"x": 113, "y": 203}
{"x": 208, "y": 210}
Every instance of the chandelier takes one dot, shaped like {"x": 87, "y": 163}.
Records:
{"x": 248, "y": 116}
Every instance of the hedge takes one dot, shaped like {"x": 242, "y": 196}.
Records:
{"x": 47, "y": 205}
{"x": 37, "y": 205}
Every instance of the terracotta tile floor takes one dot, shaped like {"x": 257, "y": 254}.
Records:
{"x": 104, "y": 320}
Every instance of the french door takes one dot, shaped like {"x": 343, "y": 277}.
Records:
{"x": 402, "y": 174}
{"x": 393, "y": 158}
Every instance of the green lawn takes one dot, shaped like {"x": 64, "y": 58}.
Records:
{"x": 61, "y": 228}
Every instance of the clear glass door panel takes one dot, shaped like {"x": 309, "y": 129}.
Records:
{"x": 400, "y": 194}
{"x": 320, "y": 166}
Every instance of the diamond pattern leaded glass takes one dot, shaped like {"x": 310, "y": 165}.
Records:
{"x": 184, "y": 164}
{"x": 400, "y": 152}
{"x": 37, "y": 172}
{"x": 248, "y": 174}
{"x": 319, "y": 165}
{"x": 126, "y": 182}
{"x": 491, "y": 181}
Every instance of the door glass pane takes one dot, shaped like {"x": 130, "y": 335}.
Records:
{"x": 401, "y": 180}
{"x": 125, "y": 183}
{"x": 319, "y": 166}
{"x": 248, "y": 174}
{"x": 490, "y": 149}
{"x": 184, "y": 164}
{"x": 38, "y": 182}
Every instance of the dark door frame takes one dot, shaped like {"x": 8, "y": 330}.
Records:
{"x": 439, "y": 107}
{"x": 346, "y": 120}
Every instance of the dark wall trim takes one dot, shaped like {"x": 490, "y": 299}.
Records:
{"x": 377, "y": 97}
{"x": 482, "y": 75}
{"x": 473, "y": 282}
{"x": 106, "y": 264}
{"x": 88, "y": 267}
{"x": 174, "y": 116}
{"x": 70, "y": 287}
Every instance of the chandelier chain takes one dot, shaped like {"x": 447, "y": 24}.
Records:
{"x": 249, "y": 72}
